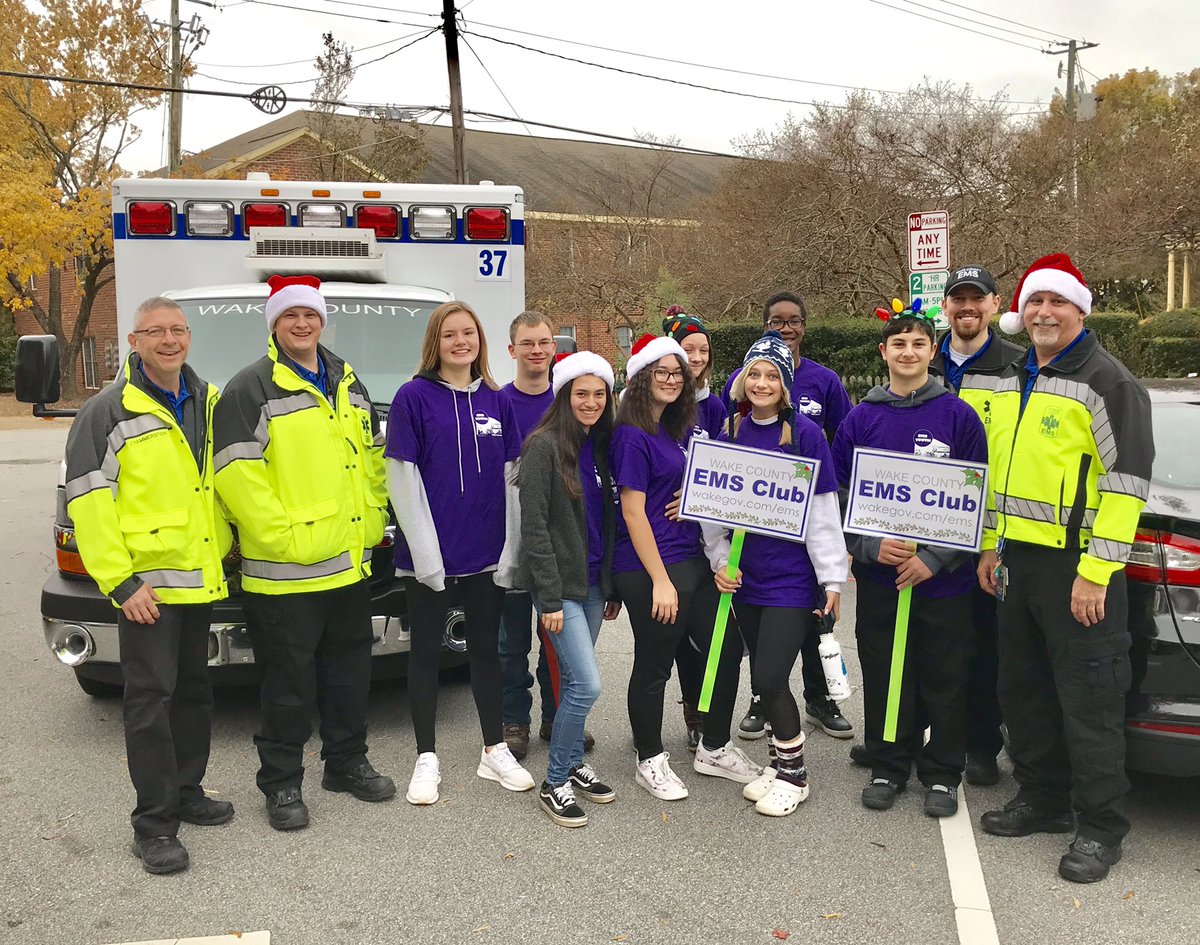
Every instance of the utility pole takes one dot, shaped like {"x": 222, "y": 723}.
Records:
{"x": 450, "y": 28}
{"x": 175, "y": 102}
{"x": 1073, "y": 49}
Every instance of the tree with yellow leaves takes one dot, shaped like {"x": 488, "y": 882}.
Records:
{"x": 62, "y": 145}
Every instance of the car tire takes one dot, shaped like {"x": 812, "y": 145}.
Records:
{"x": 98, "y": 689}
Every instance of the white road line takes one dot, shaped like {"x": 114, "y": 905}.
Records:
{"x": 972, "y": 907}
{"x": 233, "y": 938}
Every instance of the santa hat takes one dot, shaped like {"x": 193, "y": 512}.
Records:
{"x": 295, "y": 292}
{"x": 649, "y": 349}
{"x": 581, "y": 363}
{"x": 1053, "y": 273}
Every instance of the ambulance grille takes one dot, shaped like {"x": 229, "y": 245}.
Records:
{"x": 341, "y": 249}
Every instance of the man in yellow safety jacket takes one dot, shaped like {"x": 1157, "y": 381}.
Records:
{"x": 299, "y": 464}
{"x": 1070, "y": 447}
{"x": 139, "y": 488}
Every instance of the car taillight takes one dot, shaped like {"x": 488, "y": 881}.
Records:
{"x": 1152, "y": 551}
{"x": 151, "y": 218}
{"x": 385, "y": 221}
{"x": 487, "y": 223}
{"x": 1168, "y": 727}
{"x": 264, "y": 214}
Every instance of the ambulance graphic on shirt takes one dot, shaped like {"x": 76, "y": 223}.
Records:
{"x": 924, "y": 444}
{"x": 487, "y": 426}
{"x": 810, "y": 408}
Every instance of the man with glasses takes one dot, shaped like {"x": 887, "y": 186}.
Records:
{"x": 817, "y": 393}
{"x": 139, "y": 488}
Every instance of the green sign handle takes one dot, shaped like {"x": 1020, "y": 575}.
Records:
{"x": 899, "y": 645}
{"x": 718, "y": 636}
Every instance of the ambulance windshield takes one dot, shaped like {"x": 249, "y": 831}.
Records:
{"x": 380, "y": 338}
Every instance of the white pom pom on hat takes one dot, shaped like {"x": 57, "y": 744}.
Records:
{"x": 580, "y": 364}
{"x": 294, "y": 292}
{"x": 649, "y": 349}
{"x": 1053, "y": 273}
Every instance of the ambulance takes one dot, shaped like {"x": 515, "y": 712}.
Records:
{"x": 387, "y": 255}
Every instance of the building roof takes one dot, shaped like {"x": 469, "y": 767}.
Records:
{"x": 558, "y": 175}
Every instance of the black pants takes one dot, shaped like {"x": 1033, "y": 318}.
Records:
{"x": 516, "y": 640}
{"x": 935, "y": 678}
{"x": 313, "y": 652}
{"x": 168, "y": 712}
{"x": 482, "y": 603}
{"x": 983, "y": 700}
{"x": 775, "y": 636}
{"x": 655, "y": 645}
{"x": 1062, "y": 691}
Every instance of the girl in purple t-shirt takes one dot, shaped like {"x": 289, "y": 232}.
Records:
{"x": 782, "y": 586}
{"x": 659, "y": 565}
{"x": 452, "y": 447}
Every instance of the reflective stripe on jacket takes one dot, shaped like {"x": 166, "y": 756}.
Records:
{"x": 142, "y": 505}
{"x": 1072, "y": 469}
{"x": 302, "y": 475}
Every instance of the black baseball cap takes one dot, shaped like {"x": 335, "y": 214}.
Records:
{"x": 975, "y": 276}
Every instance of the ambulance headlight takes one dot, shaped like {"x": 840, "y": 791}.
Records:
{"x": 209, "y": 218}
{"x": 322, "y": 214}
{"x": 432, "y": 223}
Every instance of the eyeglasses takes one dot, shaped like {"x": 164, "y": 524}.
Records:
{"x": 546, "y": 344}
{"x": 779, "y": 323}
{"x": 663, "y": 376}
{"x": 157, "y": 332}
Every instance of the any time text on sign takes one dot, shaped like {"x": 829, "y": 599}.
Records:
{"x": 929, "y": 241}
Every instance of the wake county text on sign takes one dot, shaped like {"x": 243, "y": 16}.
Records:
{"x": 929, "y": 241}
{"x": 929, "y": 499}
{"x": 740, "y": 487}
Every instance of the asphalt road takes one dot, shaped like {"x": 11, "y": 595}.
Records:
{"x": 485, "y": 865}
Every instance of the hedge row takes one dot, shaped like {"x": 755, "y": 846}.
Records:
{"x": 1164, "y": 345}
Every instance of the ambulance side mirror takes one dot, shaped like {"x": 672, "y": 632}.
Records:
{"x": 37, "y": 375}
{"x": 565, "y": 344}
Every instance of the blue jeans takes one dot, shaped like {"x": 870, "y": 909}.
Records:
{"x": 516, "y": 640}
{"x": 579, "y": 686}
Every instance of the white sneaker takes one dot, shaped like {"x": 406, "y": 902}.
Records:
{"x": 500, "y": 765}
{"x": 756, "y": 790}
{"x": 726, "y": 762}
{"x": 783, "y": 798}
{"x": 426, "y": 776}
{"x": 656, "y": 776}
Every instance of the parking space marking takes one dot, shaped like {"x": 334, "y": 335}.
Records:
{"x": 972, "y": 907}
{"x": 231, "y": 938}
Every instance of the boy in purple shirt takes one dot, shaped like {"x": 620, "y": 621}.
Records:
{"x": 913, "y": 414}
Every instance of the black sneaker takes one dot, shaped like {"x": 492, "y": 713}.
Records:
{"x": 206, "y": 812}
{"x": 160, "y": 855}
{"x": 1088, "y": 860}
{"x": 941, "y": 800}
{"x": 880, "y": 793}
{"x": 693, "y": 721}
{"x": 981, "y": 770}
{"x": 361, "y": 780}
{"x": 560, "y": 805}
{"x": 1019, "y": 819}
{"x": 286, "y": 809}
{"x": 547, "y": 730}
{"x": 517, "y": 737}
{"x": 583, "y": 779}
{"x": 860, "y": 756}
{"x": 754, "y": 725}
{"x": 825, "y": 716}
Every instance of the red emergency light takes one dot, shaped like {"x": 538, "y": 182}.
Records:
{"x": 384, "y": 220}
{"x": 487, "y": 223}
{"x": 151, "y": 218}
{"x": 264, "y": 214}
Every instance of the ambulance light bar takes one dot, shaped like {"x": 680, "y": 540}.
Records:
{"x": 432, "y": 223}
{"x": 383, "y": 219}
{"x": 208, "y": 218}
{"x": 322, "y": 214}
{"x": 151, "y": 218}
{"x": 263, "y": 214}
{"x": 487, "y": 223}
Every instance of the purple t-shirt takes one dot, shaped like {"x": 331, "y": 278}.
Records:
{"x": 944, "y": 426}
{"x": 776, "y": 572}
{"x": 653, "y": 465}
{"x": 593, "y": 509}
{"x": 528, "y": 409}
{"x": 710, "y": 416}
{"x": 459, "y": 442}
{"x": 817, "y": 393}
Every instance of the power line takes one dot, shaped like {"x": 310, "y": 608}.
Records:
{"x": 1002, "y": 19}
{"x": 293, "y": 62}
{"x": 488, "y": 72}
{"x": 924, "y": 16}
{"x": 967, "y": 19}
{"x": 348, "y": 16}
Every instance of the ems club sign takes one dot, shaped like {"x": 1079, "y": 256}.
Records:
{"x": 741, "y": 487}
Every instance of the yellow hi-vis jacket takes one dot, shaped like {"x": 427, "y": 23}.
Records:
{"x": 142, "y": 502}
{"x": 1070, "y": 460}
{"x": 302, "y": 475}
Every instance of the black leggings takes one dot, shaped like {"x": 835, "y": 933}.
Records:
{"x": 655, "y": 645}
{"x": 774, "y": 636}
{"x": 482, "y": 602}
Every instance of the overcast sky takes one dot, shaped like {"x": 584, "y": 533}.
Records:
{"x": 862, "y": 43}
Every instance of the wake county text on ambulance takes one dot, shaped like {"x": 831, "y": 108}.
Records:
{"x": 387, "y": 255}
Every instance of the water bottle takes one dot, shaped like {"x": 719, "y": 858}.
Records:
{"x": 832, "y": 662}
